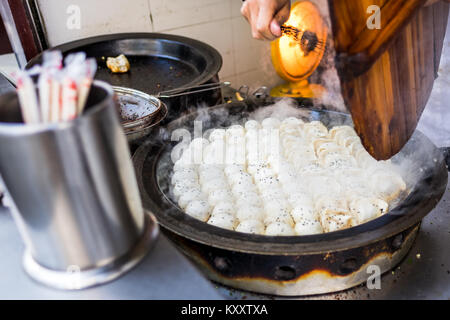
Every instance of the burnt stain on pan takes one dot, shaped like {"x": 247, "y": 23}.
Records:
{"x": 285, "y": 268}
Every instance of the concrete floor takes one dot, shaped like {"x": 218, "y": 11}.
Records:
{"x": 435, "y": 121}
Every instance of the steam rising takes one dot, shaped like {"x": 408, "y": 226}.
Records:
{"x": 414, "y": 163}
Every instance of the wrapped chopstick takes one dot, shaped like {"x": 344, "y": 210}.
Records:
{"x": 60, "y": 92}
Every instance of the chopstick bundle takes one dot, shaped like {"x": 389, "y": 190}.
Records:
{"x": 60, "y": 93}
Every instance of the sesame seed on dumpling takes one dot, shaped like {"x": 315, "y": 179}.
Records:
{"x": 279, "y": 229}
{"x": 198, "y": 209}
{"x": 251, "y": 226}
{"x": 223, "y": 220}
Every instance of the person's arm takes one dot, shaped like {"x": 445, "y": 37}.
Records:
{"x": 266, "y": 17}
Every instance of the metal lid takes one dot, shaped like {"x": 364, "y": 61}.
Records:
{"x": 295, "y": 57}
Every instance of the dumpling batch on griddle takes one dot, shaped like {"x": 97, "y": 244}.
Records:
{"x": 283, "y": 178}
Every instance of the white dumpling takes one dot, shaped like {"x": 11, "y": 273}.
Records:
{"x": 297, "y": 198}
{"x": 249, "y": 212}
{"x": 196, "y": 148}
{"x": 199, "y": 209}
{"x": 283, "y": 216}
{"x": 266, "y": 183}
{"x": 271, "y": 123}
{"x": 253, "y": 167}
{"x": 251, "y": 226}
{"x": 252, "y": 125}
{"x": 263, "y": 173}
{"x": 338, "y": 129}
{"x": 248, "y": 198}
{"x": 240, "y": 177}
{"x": 328, "y": 203}
{"x": 307, "y": 227}
{"x": 214, "y": 153}
{"x": 279, "y": 229}
{"x": 336, "y": 221}
{"x": 235, "y": 154}
{"x": 337, "y": 160}
{"x": 323, "y": 186}
{"x": 210, "y": 185}
{"x": 184, "y": 186}
{"x": 364, "y": 159}
{"x": 291, "y": 142}
{"x": 292, "y": 122}
{"x": 219, "y": 195}
{"x": 210, "y": 172}
{"x": 234, "y": 169}
{"x": 186, "y": 160}
{"x": 343, "y": 135}
{"x": 223, "y": 220}
{"x": 312, "y": 169}
{"x": 365, "y": 209}
{"x": 224, "y": 208}
{"x": 315, "y": 129}
{"x": 241, "y": 188}
{"x": 217, "y": 135}
{"x": 187, "y": 174}
{"x": 275, "y": 194}
{"x": 304, "y": 211}
{"x": 190, "y": 195}
{"x": 235, "y": 131}
{"x": 387, "y": 185}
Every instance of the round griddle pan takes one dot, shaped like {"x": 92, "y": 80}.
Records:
{"x": 297, "y": 265}
{"x": 159, "y": 62}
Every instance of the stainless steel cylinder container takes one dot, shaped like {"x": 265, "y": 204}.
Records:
{"x": 76, "y": 200}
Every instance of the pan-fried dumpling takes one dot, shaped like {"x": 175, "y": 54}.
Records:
{"x": 219, "y": 195}
{"x": 190, "y": 195}
{"x": 347, "y": 130}
{"x": 249, "y": 212}
{"x": 199, "y": 209}
{"x": 217, "y": 135}
{"x": 279, "y": 229}
{"x": 186, "y": 174}
{"x": 387, "y": 185}
{"x": 184, "y": 186}
{"x": 314, "y": 130}
{"x": 292, "y": 122}
{"x": 298, "y": 198}
{"x": 336, "y": 221}
{"x": 224, "y": 208}
{"x": 271, "y": 123}
{"x": 282, "y": 216}
{"x": 233, "y": 169}
{"x": 365, "y": 209}
{"x": 236, "y": 131}
{"x": 307, "y": 226}
{"x": 252, "y": 125}
{"x": 208, "y": 173}
{"x": 303, "y": 211}
{"x": 223, "y": 220}
{"x": 251, "y": 226}
{"x": 211, "y": 185}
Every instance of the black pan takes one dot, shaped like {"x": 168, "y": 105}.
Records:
{"x": 298, "y": 265}
{"x": 159, "y": 62}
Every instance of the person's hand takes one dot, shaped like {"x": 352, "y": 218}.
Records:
{"x": 266, "y": 17}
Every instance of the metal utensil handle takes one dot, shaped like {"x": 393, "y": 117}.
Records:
{"x": 201, "y": 88}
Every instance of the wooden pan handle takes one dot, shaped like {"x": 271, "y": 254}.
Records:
{"x": 371, "y": 43}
